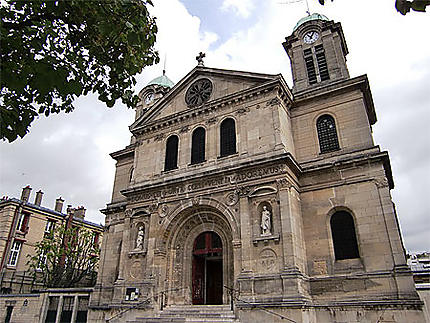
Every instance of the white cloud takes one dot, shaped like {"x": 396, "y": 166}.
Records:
{"x": 241, "y": 8}
{"x": 73, "y": 160}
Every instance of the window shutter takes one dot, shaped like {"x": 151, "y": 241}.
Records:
{"x": 322, "y": 63}
{"x": 171, "y": 161}
{"x": 310, "y": 66}
{"x": 198, "y": 146}
{"x": 228, "y": 137}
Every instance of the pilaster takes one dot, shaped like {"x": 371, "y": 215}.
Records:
{"x": 294, "y": 285}
{"x": 245, "y": 231}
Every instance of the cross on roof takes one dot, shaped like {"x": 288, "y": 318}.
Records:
{"x": 199, "y": 59}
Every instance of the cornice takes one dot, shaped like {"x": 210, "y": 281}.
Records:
{"x": 355, "y": 160}
{"x": 114, "y": 208}
{"x": 360, "y": 82}
{"x": 127, "y": 151}
{"x": 237, "y": 98}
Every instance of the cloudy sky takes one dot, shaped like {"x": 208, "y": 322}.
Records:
{"x": 67, "y": 155}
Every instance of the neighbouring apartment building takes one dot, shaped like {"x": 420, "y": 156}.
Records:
{"x": 420, "y": 266}
{"x": 22, "y": 225}
{"x": 242, "y": 198}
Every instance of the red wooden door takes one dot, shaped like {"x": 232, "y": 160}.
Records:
{"x": 198, "y": 280}
{"x": 207, "y": 269}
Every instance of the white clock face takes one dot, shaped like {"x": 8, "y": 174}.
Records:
{"x": 149, "y": 98}
{"x": 311, "y": 37}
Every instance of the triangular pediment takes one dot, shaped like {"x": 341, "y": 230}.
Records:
{"x": 225, "y": 83}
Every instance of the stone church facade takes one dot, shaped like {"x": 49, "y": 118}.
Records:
{"x": 235, "y": 182}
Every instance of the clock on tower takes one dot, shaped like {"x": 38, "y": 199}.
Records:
{"x": 317, "y": 50}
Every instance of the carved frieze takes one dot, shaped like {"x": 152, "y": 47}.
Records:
{"x": 284, "y": 183}
{"x": 381, "y": 182}
{"x": 243, "y": 191}
{"x": 153, "y": 207}
{"x": 242, "y": 110}
{"x": 274, "y": 101}
{"x": 209, "y": 183}
{"x": 211, "y": 120}
{"x": 184, "y": 129}
{"x": 159, "y": 137}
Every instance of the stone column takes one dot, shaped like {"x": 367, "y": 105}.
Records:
{"x": 245, "y": 230}
{"x": 125, "y": 245}
{"x": 150, "y": 238}
{"x": 153, "y": 259}
{"x": 75, "y": 309}
{"x": 59, "y": 309}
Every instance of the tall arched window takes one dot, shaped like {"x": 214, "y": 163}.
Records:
{"x": 344, "y": 237}
{"x": 198, "y": 146}
{"x": 228, "y": 137}
{"x": 171, "y": 161}
{"x": 327, "y": 135}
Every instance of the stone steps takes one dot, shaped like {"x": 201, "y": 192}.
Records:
{"x": 191, "y": 313}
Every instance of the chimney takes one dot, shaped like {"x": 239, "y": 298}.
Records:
{"x": 70, "y": 215}
{"x": 59, "y": 204}
{"x": 38, "y": 199}
{"x": 80, "y": 212}
{"x": 25, "y": 195}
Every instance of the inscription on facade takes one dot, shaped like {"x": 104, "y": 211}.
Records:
{"x": 209, "y": 183}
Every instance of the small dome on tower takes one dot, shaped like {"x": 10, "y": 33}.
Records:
{"x": 162, "y": 80}
{"x": 314, "y": 16}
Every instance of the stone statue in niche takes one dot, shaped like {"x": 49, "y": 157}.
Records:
{"x": 140, "y": 237}
{"x": 266, "y": 222}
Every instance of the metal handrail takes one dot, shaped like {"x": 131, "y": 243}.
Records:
{"x": 232, "y": 292}
{"x": 145, "y": 301}
{"x": 163, "y": 293}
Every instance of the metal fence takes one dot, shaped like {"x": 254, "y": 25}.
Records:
{"x": 22, "y": 282}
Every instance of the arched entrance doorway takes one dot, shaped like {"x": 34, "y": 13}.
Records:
{"x": 207, "y": 269}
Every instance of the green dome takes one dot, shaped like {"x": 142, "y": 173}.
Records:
{"x": 314, "y": 16}
{"x": 162, "y": 80}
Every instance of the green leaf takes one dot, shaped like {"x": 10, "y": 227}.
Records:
{"x": 50, "y": 63}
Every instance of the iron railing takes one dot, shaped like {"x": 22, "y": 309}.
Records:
{"x": 22, "y": 282}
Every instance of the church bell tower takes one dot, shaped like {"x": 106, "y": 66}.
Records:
{"x": 317, "y": 50}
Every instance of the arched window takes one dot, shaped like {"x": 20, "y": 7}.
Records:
{"x": 343, "y": 234}
{"x": 327, "y": 135}
{"x": 171, "y": 161}
{"x": 228, "y": 137}
{"x": 198, "y": 146}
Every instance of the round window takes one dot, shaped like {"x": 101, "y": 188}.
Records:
{"x": 198, "y": 93}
